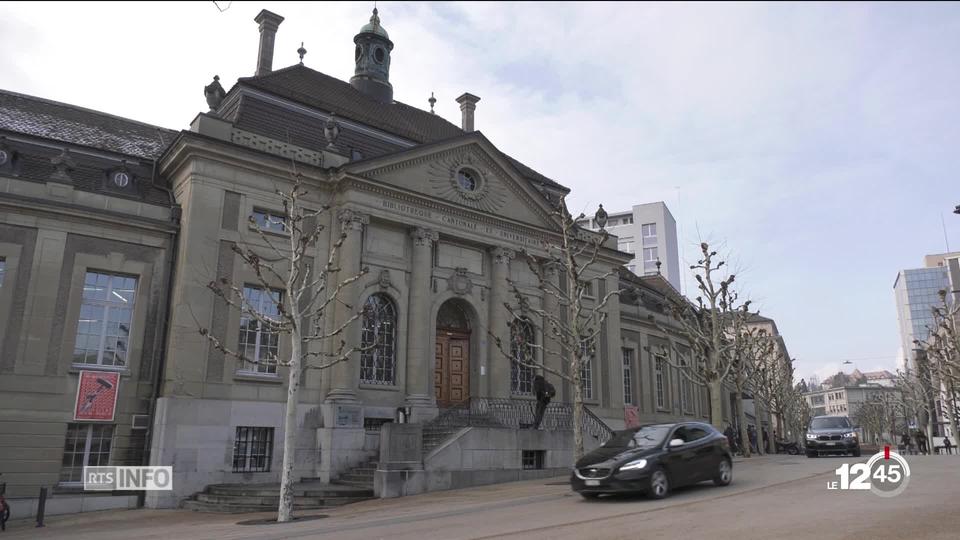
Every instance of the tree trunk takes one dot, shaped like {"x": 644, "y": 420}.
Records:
{"x": 285, "y": 511}
{"x": 716, "y": 403}
{"x": 742, "y": 422}
{"x": 577, "y": 414}
{"x": 953, "y": 416}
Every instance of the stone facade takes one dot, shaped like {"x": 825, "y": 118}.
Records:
{"x": 435, "y": 213}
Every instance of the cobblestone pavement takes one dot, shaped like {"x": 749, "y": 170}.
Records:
{"x": 782, "y": 497}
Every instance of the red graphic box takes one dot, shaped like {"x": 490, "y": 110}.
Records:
{"x": 97, "y": 396}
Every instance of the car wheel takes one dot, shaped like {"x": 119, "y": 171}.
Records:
{"x": 856, "y": 453}
{"x": 724, "y": 473}
{"x": 589, "y": 496}
{"x": 659, "y": 484}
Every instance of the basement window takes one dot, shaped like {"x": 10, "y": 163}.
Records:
{"x": 253, "y": 449}
{"x": 533, "y": 459}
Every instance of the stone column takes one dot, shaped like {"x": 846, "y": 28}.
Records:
{"x": 419, "y": 322}
{"x": 345, "y": 375}
{"x": 498, "y": 364}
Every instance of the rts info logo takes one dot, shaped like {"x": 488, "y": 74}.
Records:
{"x": 886, "y": 474}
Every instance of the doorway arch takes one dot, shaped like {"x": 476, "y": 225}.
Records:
{"x": 451, "y": 371}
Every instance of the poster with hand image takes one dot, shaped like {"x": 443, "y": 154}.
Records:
{"x": 96, "y": 396}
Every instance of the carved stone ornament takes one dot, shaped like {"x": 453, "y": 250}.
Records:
{"x": 424, "y": 237}
{"x": 459, "y": 282}
{"x": 502, "y": 255}
{"x": 384, "y": 280}
{"x": 487, "y": 192}
{"x": 214, "y": 93}
{"x": 331, "y": 130}
{"x": 352, "y": 220}
{"x": 64, "y": 164}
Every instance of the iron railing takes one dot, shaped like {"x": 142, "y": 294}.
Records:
{"x": 518, "y": 414}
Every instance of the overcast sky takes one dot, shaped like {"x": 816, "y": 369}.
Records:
{"x": 818, "y": 143}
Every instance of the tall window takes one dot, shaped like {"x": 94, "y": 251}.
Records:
{"x": 684, "y": 393}
{"x": 253, "y": 449}
{"x": 586, "y": 370}
{"x": 259, "y": 342}
{"x": 103, "y": 331}
{"x": 649, "y": 233}
{"x": 522, "y": 355}
{"x": 269, "y": 221}
{"x": 650, "y": 259}
{"x": 628, "y": 376}
{"x": 659, "y": 369}
{"x": 87, "y": 445}
{"x": 625, "y": 246}
{"x": 378, "y": 360}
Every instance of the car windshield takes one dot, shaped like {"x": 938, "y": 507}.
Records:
{"x": 829, "y": 423}
{"x": 645, "y": 437}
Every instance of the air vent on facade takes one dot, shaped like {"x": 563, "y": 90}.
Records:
{"x": 141, "y": 421}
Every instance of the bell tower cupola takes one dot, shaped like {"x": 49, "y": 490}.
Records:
{"x": 372, "y": 55}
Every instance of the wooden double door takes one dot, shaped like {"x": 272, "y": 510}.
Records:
{"x": 451, "y": 372}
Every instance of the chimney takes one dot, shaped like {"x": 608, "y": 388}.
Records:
{"x": 468, "y": 104}
{"x": 269, "y": 22}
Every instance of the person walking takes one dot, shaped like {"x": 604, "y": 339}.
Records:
{"x": 766, "y": 440}
{"x": 947, "y": 446}
{"x": 728, "y": 433}
{"x": 752, "y": 434}
{"x": 921, "y": 442}
{"x": 544, "y": 392}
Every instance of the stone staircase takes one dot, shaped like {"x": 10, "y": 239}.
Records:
{"x": 434, "y": 435}
{"x": 308, "y": 495}
{"x": 360, "y": 476}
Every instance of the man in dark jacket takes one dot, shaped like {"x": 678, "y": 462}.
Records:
{"x": 544, "y": 392}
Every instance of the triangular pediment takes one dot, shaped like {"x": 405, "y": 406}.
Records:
{"x": 493, "y": 185}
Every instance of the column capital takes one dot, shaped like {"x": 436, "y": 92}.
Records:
{"x": 352, "y": 220}
{"x": 502, "y": 255}
{"x": 423, "y": 236}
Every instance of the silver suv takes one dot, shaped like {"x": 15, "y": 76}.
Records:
{"x": 832, "y": 435}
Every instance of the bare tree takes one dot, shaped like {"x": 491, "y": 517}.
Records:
{"x": 571, "y": 331}
{"x": 712, "y": 328}
{"x": 772, "y": 377}
{"x": 797, "y": 412}
{"x": 296, "y": 300}
{"x": 942, "y": 352}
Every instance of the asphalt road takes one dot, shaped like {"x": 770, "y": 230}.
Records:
{"x": 783, "y": 497}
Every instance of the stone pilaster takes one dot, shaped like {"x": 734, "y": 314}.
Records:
{"x": 552, "y": 354}
{"x": 500, "y": 294}
{"x": 345, "y": 375}
{"x": 419, "y": 351}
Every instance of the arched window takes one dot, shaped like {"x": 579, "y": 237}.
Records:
{"x": 378, "y": 360}
{"x": 522, "y": 355}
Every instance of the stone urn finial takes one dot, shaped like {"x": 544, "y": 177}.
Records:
{"x": 214, "y": 93}
{"x": 601, "y": 217}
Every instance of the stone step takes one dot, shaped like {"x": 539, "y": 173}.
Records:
{"x": 200, "y": 506}
{"x": 274, "y": 501}
{"x": 354, "y": 483}
{"x": 307, "y": 489}
{"x": 360, "y": 478}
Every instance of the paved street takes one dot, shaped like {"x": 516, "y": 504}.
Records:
{"x": 776, "y": 496}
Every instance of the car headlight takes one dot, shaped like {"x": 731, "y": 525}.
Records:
{"x": 811, "y": 436}
{"x": 634, "y": 465}
{"x": 851, "y": 435}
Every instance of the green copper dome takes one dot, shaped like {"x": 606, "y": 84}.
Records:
{"x": 373, "y": 27}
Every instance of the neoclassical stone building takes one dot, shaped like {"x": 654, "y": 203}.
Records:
{"x": 434, "y": 211}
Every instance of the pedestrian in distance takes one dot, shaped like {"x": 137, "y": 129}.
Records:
{"x": 544, "y": 392}
{"x": 921, "y": 442}
{"x": 947, "y": 446}
{"x": 766, "y": 439}
{"x": 728, "y": 433}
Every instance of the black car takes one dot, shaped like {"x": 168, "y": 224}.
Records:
{"x": 654, "y": 459}
{"x": 832, "y": 435}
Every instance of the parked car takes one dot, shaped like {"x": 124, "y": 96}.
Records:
{"x": 832, "y": 435}
{"x": 654, "y": 459}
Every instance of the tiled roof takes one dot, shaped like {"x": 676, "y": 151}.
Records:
{"x": 76, "y": 125}
{"x": 329, "y": 94}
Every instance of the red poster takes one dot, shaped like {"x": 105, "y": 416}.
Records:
{"x": 97, "y": 396}
{"x": 631, "y": 416}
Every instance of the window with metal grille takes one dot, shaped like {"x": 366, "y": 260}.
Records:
{"x": 253, "y": 449}
{"x": 628, "y": 376}
{"x": 86, "y": 445}
{"x": 106, "y": 311}
{"x": 533, "y": 459}
{"x": 259, "y": 343}
{"x": 659, "y": 366}
{"x": 522, "y": 356}
{"x": 378, "y": 360}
